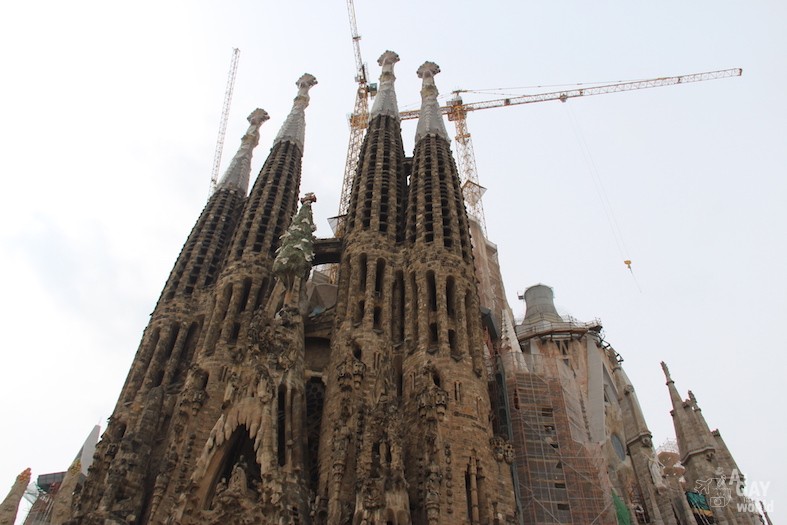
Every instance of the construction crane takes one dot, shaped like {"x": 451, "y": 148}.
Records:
{"x": 359, "y": 121}
{"x": 225, "y": 112}
{"x": 457, "y": 111}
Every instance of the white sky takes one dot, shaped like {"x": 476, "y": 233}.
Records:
{"x": 108, "y": 120}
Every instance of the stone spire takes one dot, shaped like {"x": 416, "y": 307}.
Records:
{"x": 431, "y": 120}
{"x": 237, "y": 174}
{"x": 294, "y": 126}
{"x": 692, "y": 439}
{"x": 10, "y": 504}
{"x": 385, "y": 102}
{"x": 274, "y": 196}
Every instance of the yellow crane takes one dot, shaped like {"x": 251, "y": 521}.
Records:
{"x": 457, "y": 111}
{"x": 359, "y": 121}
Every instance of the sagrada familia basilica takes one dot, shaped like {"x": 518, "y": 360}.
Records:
{"x": 377, "y": 377}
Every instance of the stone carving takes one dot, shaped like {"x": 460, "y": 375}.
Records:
{"x": 295, "y": 254}
{"x": 434, "y": 479}
{"x": 195, "y": 394}
{"x": 162, "y": 480}
{"x": 350, "y": 372}
{"x": 497, "y": 444}
{"x": 656, "y": 473}
{"x": 238, "y": 479}
{"x": 432, "y": 403}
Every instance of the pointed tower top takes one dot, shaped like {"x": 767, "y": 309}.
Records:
{"x": 294, "y": 126}
{"x": 666, "y": 372}
{"x": 385, "y": 102}
{"x": 237, "y": 174}
{"x": 431, "y": 120}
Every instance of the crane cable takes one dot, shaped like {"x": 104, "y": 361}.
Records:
{"x": 606, "y": 206}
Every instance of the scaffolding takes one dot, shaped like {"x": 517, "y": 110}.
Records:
{"x": 561, "y": 475}
{"x": 40, "y": 512}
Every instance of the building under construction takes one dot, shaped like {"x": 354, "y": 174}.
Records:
{"x": 392, "y": 388}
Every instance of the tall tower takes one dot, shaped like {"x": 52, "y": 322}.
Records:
{"x": 131, "y": 457}
{"x": 361, "y": 454}
{"x": 174, "y": 436}
{"x": 454, "y": 476}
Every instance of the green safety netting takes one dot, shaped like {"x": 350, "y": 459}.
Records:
{"x": 624, "y": 518}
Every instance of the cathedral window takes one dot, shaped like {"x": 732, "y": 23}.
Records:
{"x": 433, "y": 339}
{"x": 226, "y": 300}
{"x": 436, "y": 378}
{"x": 281, "y": 422}
{"x": 414, "y": 312}
{"x": 452, "y": 341}
{"x": 379, "y": 277}
{"x": 261, "y": 292}
{"x": 378, "y": 313}
{"x": 233, "y": 338}
{"x": 431, "y": 287}
{"x": 245, "y": 293}
{"x": 173, "y": 337}
{"x": 315, "y": 398}
{"x": 397, "y": 308}
{"x": 362, "y": 271}
{"x": 359, "y": 313}
{"x": 450, "y": 296}
{"x": 469, "y": 497}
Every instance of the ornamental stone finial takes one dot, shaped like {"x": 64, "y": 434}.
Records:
{"x": 257, "y": 117}
{"x": 237, "y": 174}
{"x": 385, "y": 102}
{"x": 294, "y": 126}
{"x": 309, "y": 197}
{"x": 305, "y": 83}
{"x": 427, "y": 71}
{"x": 387, "y": 61}
{"x": 431, "y": 120}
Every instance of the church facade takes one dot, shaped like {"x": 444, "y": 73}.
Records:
{"x": 401, "y": 392}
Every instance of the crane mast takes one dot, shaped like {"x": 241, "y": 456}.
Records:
{"x": 457, "y": 110}
{"x": 225, "y": 112}
{"x": 359, "y": 121}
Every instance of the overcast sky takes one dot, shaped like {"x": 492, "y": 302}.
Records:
{"x": 109, "y": 113}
